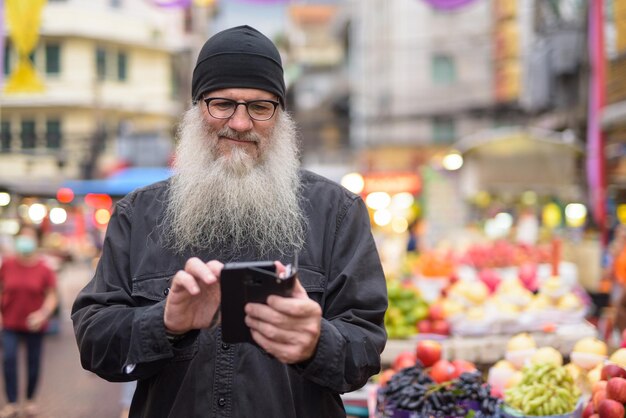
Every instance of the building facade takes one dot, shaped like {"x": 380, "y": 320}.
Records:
{"x": 112, "y": 72}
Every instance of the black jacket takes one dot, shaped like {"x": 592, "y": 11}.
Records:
{"x": 118, "y": 318}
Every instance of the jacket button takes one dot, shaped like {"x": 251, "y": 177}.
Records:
{"x": 166, "y": 291}
{"x": 221, "y": 402}
{"x": 225, "y": 346}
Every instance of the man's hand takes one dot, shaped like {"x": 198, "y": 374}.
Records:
{"x": 287, "y": 328}
{"x": 194, "y": 296}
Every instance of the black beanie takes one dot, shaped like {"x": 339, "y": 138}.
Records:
{"x": 239, "y": 57}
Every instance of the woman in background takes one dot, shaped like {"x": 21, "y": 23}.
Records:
{"x": 28, "y": 297}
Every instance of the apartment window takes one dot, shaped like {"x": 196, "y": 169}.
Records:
{"x": 101, "y": 63}
{"x": 27, "y": 135}
{"x": 444, "y": 130}
{"x": 121, "y": 66}
{"x": 53, "y": 59}
{"x": 5, "y": 136}
{"x": 443, "y": 69}
{"x": 53, "y": 134}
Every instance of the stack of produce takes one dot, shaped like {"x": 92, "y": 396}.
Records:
{"x": 412, "y": 390}
{"x": 423, "y": 384}
{"x": 608, "y": 394}
{"x": 545, "y": 389}
{"x": 406, "y": 309}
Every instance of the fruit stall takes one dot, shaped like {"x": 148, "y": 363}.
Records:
{"x": 473, "y": 301}
{"x": 529, "y": 380}
{"x": 495, "y": 330}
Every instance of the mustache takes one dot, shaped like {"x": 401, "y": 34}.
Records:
{"x": 239, "y": 136}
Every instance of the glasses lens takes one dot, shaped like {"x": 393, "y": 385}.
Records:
{"x": 221, "y": 108}
{"x": 261, "y": 110}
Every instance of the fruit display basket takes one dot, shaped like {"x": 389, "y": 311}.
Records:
{"x": 508, "y": 412}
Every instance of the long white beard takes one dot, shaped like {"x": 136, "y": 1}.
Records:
{"x": 232, "y": 203}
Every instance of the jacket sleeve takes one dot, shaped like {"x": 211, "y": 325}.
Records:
{"x": 353, "y": 333}
{"x": 118, "y": 339}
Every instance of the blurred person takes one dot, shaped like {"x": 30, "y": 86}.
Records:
{"x": 28, "y": 299}
{"x": 151, "y": 311}
{"x": 415, "y": 229}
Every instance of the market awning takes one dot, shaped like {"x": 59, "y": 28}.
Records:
{"x": 120, "y": 183}
{"x": 517, "y": 140}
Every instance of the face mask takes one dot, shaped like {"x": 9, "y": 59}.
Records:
{"x": 25, "y": 245}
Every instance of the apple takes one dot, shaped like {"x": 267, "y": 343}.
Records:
{"x": 588, "y": 411}
{"x": 599, "y": 385}
{"x": 598, "y": 397}
{"x": 425, "y": 326}
{"x": 436, "y": 311}
{"x": 403, "y": 360}
{"x": 610, "y": 408}
{"x": 616, "y": 389}
{"x": 386, "y": 376}
{"x": 612, "y": 370}
{"x": 441, "y": 327}
{"x": 428, "y": 352}
{"x": 462, "y": 366}
{"x": 442, "y": 371}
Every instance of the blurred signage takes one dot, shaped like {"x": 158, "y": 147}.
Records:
{"x": 506, "y": 51}
{"x": 619, "y": 16}
{"x": 391, "y": 182}
{"x": 616, "y": 80}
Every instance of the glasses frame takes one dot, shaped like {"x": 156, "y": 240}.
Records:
{"x": 208, "y": 100}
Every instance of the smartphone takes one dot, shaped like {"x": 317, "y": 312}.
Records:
{"x": 244, "y": 282}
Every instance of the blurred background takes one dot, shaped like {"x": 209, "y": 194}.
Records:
{"x": 484, "y": 135}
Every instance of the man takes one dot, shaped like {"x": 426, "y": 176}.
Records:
{"x": 151, "y": 312}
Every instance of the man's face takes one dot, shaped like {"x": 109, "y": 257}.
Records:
{"x": 240, "y": 133}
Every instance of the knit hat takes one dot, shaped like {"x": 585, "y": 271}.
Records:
{"x": 239, "y": 57}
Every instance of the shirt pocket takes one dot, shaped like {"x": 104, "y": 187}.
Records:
{"x": 152, "y": 288}
{"x": 313, "y": 281}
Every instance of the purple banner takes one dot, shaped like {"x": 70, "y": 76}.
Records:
{"x": 171, "y": 3}
{"x": 448, "y": 4}
{"x": 263, "y": 1}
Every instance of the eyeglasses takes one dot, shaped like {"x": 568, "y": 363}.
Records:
{"x": 221, "y": 108}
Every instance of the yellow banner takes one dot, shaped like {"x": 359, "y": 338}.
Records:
{"x": 24, "y": 20}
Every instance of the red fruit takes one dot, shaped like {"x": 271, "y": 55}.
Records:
{"x": 610, "y": 409}
{"x": 402, "y": 360}
{"x": 462, "y": 366}
{"x": 385, "y": 376}
{"x": 598, "y": 397}
{"x": 425, "y": 326}
{"x": 612, "y": 370}
{"x": 442, "y": 371}
{"x": 588, "y": 411}
{"x": 616, "y": 389}
{"x": 440, "y": 327}
{"x": 497, "y": 392}
{"x": 428, "y": 352}
{"x": 599, "y": 385}
{"x": 435, "y": 311}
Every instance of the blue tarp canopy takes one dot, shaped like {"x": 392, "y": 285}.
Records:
{"x": 120, "y": 183}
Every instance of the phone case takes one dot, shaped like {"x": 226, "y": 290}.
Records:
{"x": 245, "y": 282}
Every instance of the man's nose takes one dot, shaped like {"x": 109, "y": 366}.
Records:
{"x": 240, "y": 120}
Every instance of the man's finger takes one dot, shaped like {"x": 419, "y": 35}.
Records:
{"x": 184, "y": 281}
{"x": 201, "y": 270}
